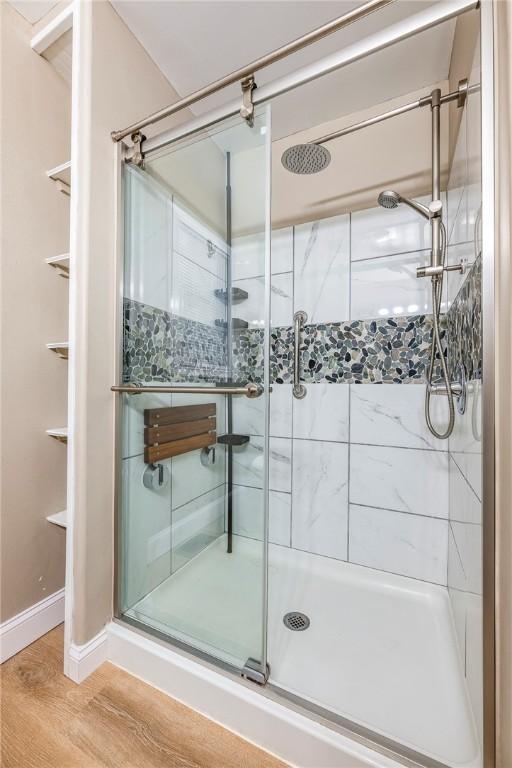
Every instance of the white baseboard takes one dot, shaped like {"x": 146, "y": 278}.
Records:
{"x": 83, "y": 660}
{"x": 238, "y": 706}
{"x": 31, "y": 624}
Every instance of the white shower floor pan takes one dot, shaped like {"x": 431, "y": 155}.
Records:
{"x": 380, "y": 649}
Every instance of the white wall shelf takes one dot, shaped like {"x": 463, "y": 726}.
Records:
{"x": 59, "y": 518}
{"x": 61, "y": 175}
{"x": 60, "y": 263}
{"x": 61, "y": 348}
{"x": 55, "y": 29}
{"x": 58, "y": 433}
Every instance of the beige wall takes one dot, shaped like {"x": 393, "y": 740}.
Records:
{"x": 117, "y": 84}
{"x": 35, "y": 127}
{"x": 395, "y": 153}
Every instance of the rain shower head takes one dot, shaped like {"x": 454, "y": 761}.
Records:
{"x": 306, "y": 158}
{"x": 390, "y": 199}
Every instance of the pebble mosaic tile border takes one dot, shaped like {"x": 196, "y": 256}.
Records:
{"x": 464, "y": 326}
{"x": 159, "y": 346}
{"x": 392, "y": 350}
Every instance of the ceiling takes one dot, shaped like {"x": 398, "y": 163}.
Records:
{"x": 33, "y": 10}
{"x": 194, "y": 42}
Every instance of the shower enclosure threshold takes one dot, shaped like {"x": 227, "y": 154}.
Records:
{"x": 371, "y": 626}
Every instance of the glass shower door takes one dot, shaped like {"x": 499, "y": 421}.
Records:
{"x": 192, "y": 544}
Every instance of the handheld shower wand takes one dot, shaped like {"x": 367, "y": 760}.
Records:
{"x": 435, "y": 270}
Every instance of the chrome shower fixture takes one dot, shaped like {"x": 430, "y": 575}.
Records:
{"x": 390, "y": 199}
{"x": 304, "y": 159}
{"x": 435, "y": 271}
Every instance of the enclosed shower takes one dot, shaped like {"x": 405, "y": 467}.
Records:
{"x": 300, "y": 428}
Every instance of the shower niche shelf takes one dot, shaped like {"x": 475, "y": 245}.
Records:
{"x": 237, "y": 324}
{"x": 233, "y": 440}
{"x": 60, "y": 264}
{"x": 61, "y": 348}
{"x": 237, "y": 295}
{"x": 178, "y": 429}
{"x": 58, "y": 433}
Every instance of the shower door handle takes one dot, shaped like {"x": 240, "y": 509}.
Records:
{"x": 249, "y": 390}
{"x": 300, "y": 319}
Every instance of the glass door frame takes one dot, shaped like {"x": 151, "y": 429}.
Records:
{"x": 122, "y": 157}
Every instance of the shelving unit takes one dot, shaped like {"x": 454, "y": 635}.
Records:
{"x": 61, "y": 348}
{"x": 59, "y": 518}
{"x": 61, "y": 176}
{"x": 58, "y": 433}
{"x": 60, "y": 264}
{"x": 50, "y": 56}
{"x": 54, "y": 42}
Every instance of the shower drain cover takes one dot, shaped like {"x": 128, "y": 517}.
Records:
{"x": 296, "y": 621}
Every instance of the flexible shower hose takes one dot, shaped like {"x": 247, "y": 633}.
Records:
{"x": 437, "y": 293}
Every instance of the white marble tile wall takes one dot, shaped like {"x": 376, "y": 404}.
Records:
{"x": 193, "y": 240}
{"x": 388, "y": 286}
{"x": 248, "y": 517}
{"x": 322, "y": 269}
{"x": 196, "y": 524}
{"x": 252, "y": 309}
{"x": 410, "y": 545}
{"x": 147, "y": 518}
{"x": 147, "y": 280}
{"x": 248, "y": 254}
{"x": 248, "y": 270}
{"x": 193, "y": 292}
{"x": 356, "y": 266}
{"x": 399, "y": 489}
{"x": 458, "y": 253}
{"x": 386, "y": 248}
{"x": 464, "y": 184}
{"x": 248, "y": 418}
{"x": 323, "y": 414}
{"x": 249, "y": 415}
{"x": 248, "y": 463}
{"x": 363, "y": 446}
{"x": 456, "y": 194}
{"x": 464, "y": 558}
{"x": 400, "y": 479}
{"x": 320, "y": 497}
{"x": 198, "y": 269}
{"x": 393, "y": 415}
{"x": 382, "y": 232}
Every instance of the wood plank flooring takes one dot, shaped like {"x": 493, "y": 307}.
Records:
{"x": 112, "y": 720}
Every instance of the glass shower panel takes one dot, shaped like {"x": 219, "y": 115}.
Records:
{"x": 192, "y": 530}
